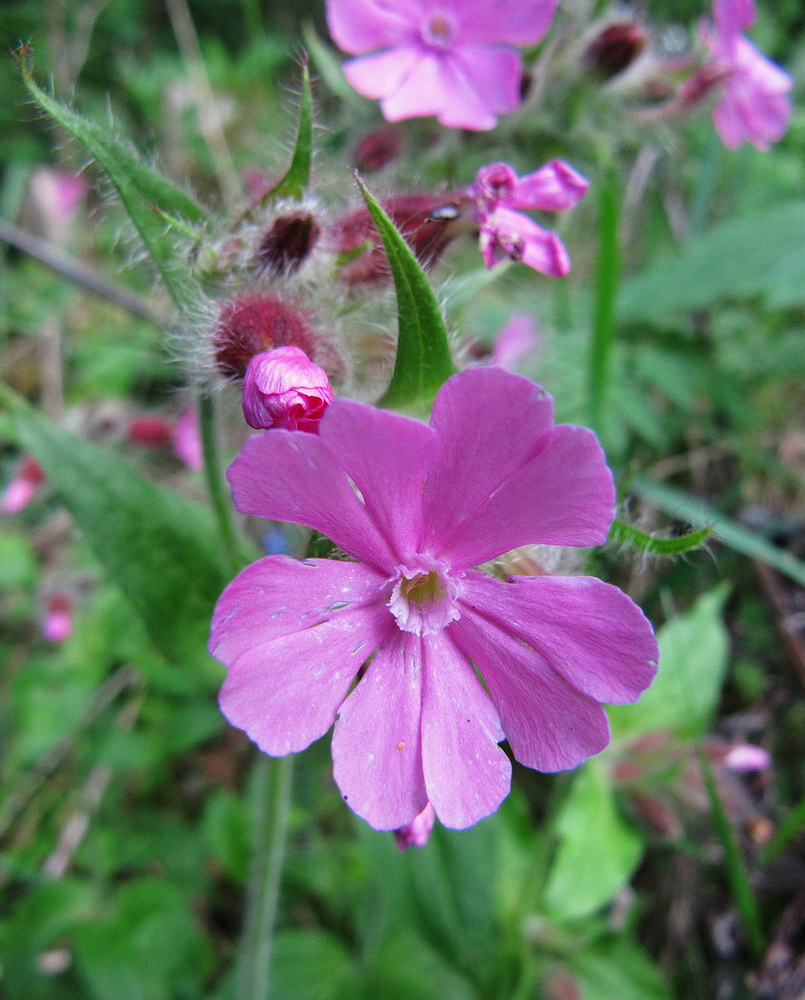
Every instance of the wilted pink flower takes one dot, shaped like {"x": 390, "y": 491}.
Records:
{"x": 23, "y": 487}
{"x": 57, "y": 622}
{"x": 500, "y": 195}
{"x": 754, "y": 105}
{"x": 418, "y": 507}
{"x": 417, "y": 832}
{"x": 452, "y": 59}
{"x": 284, "y": 388}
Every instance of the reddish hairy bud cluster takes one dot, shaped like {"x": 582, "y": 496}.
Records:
{"x": 253, "y": 324}
{"x": 427, "y": 222}
{"x": 377, "y": 148}
{"x": 283, "y": 248}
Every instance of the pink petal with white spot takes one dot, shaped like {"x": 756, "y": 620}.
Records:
{"x": 490, "y": 425}
{"x": 553, "y": 188}
{"x": 550, "y": 725}
{"x": 387, "y": 457}
{"x": 377, "y": 754}
{"x": 294, "y": 635}
{"x": 588, "y": 631}
{"x": 467, "y": 775}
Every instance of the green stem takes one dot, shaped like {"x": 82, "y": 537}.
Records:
{"x": 606, "y": 291}
{"x": 790, "y": 827}
{"x": 215, "y": 485}
{"x": 272, "y": 806}
{"x": 736, "y": 868}
{"x": 705, "y": 186}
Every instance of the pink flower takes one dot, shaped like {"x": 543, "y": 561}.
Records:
{"x": 517, "y": 338}
{"x": 499, "y": 194}
{"x": 57, "y": 621}
{"x": 284, "y": 388}
{"x": 23, "y": 487}
{"x": 754, "y": 105}
{"x": 452, "y": 59}
{"x": 418, "y": 831}
{"x": 186, "y": 440}
{"x": 418, "y": 507}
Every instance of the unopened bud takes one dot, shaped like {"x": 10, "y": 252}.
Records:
{"x": 417, "y": 832}
{"x": 289, "y": 241}
{"x": 23, "y": 487}
{"x": 57, "y": 622}
{"x": 375, "y": 150}
{"x": 614, "y": 49}
{"x": 427, "y": 223}
{"x": 284, "y": 388}
{"x": 253, "y": 324}
{"x": 150, "y": 431}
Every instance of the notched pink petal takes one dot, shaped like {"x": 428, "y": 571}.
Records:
{"x": 294, "y": 635}
{"x": 377, "y": 755}
{"x": 553, "y": 188}
{"x": 467, "y": 775}
{"x": 550, "y": 725}
{"x": 588, "y": 631}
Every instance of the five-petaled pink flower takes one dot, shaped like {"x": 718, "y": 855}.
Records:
{"x": 411, "y": 620}
{"x": 284, "y": 388}
{"x": 449, "y": 58}
{"x": 754, "y": 105}
{"x": 504, "y": 231}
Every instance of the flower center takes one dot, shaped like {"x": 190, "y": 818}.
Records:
{"x": 439, "y": 30}
{"x": 423, "y": 598}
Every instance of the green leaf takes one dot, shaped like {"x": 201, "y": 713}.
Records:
{"x": 700, "y": 515}
{"x": 626, "y": 534}
{"x": 312, "y": 965}
{"x": 598, "y": 850}
{"x": 693, "y": 661}
{"x": 158, "y": 547}
{"x": 139, "y": 187}
{"x": 423, "y": 361}
{"x": 763, "y": 255}
{"x": 294, "y": 182}
{"x": 394, "y": 976}
{"x": 616, "y": 967}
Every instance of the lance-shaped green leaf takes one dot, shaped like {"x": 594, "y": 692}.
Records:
{"x": 294, "y": 182}
{"x": 140, "y": 188}
{"x": 423, "y": 360}
{"x": 160, "y": 549}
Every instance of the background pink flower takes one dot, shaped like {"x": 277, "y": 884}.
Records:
{"x": 754, "y": 105}
{"x": 450, "y": 58}
{"x": 418, "y": 507}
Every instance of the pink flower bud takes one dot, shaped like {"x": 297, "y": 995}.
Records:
{"x": 150, "y": 431}
{"x": 417, "y": 832}
{"x": 22, "y": 488}
{"x": 377, "y": 148}
{"x": 614, "y": 49}
{"x": 284, "y": 388}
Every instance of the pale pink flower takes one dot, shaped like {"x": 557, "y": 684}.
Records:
{"x": 754, "y": 105}
{"x": 418, "y": 507}
{"x": 747, "y": 757}
{"x": 449, "y": 58}
{"x": 284, "y": 388}
{"x": 23, "y": 487}
{"x": 500, "y": 196}
{"x": 418, "y": 831}
{"x": 186, "y": 440}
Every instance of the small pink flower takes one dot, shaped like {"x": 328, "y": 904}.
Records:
{"x": 747, "y": 757}
{"x": 57, "y": 622}
{"x": 284, "y": 388}
{"x": 517, "y": 338}
{"x": 754, "y": 105}
{"x": 500, "y": 195}
{"x": 418, "y": 831}
{"x": 23, "y": 487}
{"x": 418, "y": 507}
{"x": 452, "y": 59}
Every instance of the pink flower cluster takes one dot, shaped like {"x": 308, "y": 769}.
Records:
{"x": 754, "y": 103}
{"x": 454, "y": 60}
{"x": 500, "y": 196}
{"x": 390, "y": 645}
